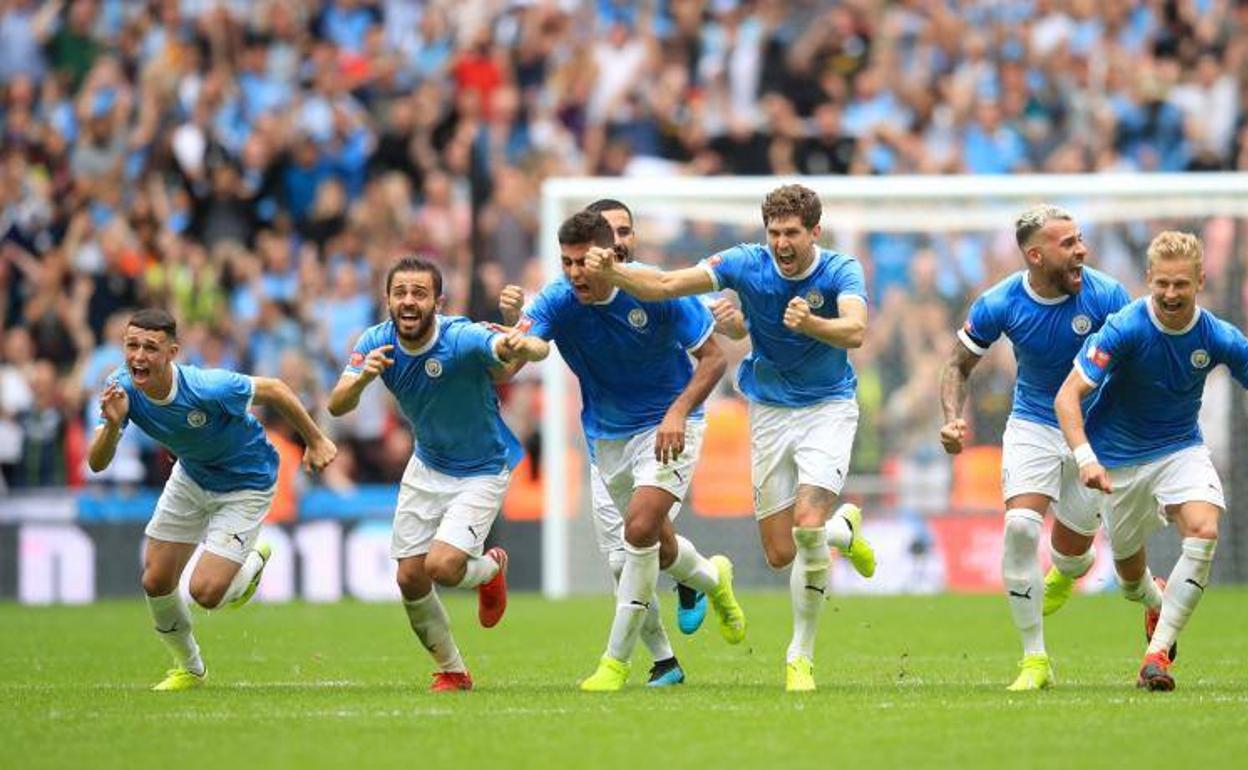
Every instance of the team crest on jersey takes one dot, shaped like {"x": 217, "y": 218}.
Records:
{"x": 433, "y": 367}
{"x": 1200, "y": 358}
{"x": 814, "y": 298}
{"x": 1081, "y": 324}
{"x": 637, "y": 318}
{"x": 196, "y": 419}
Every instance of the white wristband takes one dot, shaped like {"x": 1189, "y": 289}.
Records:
{"x": 1085, "y": 456}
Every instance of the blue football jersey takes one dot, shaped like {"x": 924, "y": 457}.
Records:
{"x": 786, "y": 368}
{"x": 1150, "y": 381}
{"x": 206, "y": 423}
{"x": 446, "y": 392}
{"x": 1046, "y": 333}
{"x": 630, "y": 357}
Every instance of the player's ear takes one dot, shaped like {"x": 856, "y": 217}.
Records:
{"x": 173, "y": 350}
{"x": 815, "y": 232}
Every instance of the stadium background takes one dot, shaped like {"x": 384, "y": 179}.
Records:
{"x": 255, "y": 166}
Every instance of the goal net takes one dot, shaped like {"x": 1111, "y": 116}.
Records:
{"x": 929, "y": 246}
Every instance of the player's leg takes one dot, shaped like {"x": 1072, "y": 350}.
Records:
{"x": 232, "y": 564}
{"x": 430, "y": 622}
{"x": 175, "y": 530}
{"x": 642, "y": 527}
{"x": 1189, "y": 488}
{"x": 455, "y": 557}
{"x": 1131, "y": 515}
{"x": 1077, "y": 517}
{"x": 163, "y": 563}
{"x": 423, "y": 497}
{"x": 609, "y": 532}
{"x": 677, "y": 554}
{"x": 822, "y": 454}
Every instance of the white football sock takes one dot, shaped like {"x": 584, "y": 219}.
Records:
{"x": 633, "y": 599}
{"x": 1073, "y": 567}
{"x": 1020, "y": 572}
{"x": 242, "y": 578}
{"x": 838, "y": 531}
{"x": 433, "y": 628}
{"x": 1183, "y": 590}
{"x": 173, "y": 625}
{"x": 478, "y": 570}
{"x": 808, "y": 585}
{"x": 692, "y": 568}
{"x": 1144, "y": 590}
{"x": 653, "y": 634}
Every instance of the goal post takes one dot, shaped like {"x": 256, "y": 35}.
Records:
{"x": 859, "y": 212}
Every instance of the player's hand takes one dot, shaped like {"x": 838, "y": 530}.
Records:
{"x": 319, "y": 454}
{"x": 511, "y": 346}
{"x": 600, "y": 262}
{"x": 727, "y": 316}
{"x": 376, "y": 362}
{"x": 1094, "y": 476}
{"x": 114, "y": 404}
{"x": 669, "y": 441}
{"x": 952, "y": 434}
{"x": 511, "y": 303}
{"x": 797, "y": 314}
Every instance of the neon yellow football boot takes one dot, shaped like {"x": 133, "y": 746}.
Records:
{"x": 1034, "y": 673}
{"x": 799, "y": 675}
{"x": 1057, "y": 590}
{"x": 610, "y": 676}
{"x": 731, "y": 616}
{"x": 179, "y": 679}
{"x": 860, "y": 553}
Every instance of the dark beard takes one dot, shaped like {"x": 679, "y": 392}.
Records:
{"x": 421, "y": 329}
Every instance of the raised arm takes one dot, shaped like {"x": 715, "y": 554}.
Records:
{"x": 953, "y": 396}
{"x": 845, "y": 331}
{"x": 114, "y": 405}
{"x": 711, "y": 365}
{"x": 646, "y": 283}
{"x": 515, "y": 349}
{"x": 319, "y": 451}
{"x": 1068, "y": 406}
{"x": 346, "y": 394}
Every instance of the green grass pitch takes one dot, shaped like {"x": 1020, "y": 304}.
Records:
{"x": 904, "y": 682}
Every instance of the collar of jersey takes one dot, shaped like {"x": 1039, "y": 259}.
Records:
{"x": 610, "y": 297}
{"x": 1152, "y": 316}
{"x": 805, "y": 273}
{"x": 173, "y": 390}
{"x": 425, "y": 348}
{"x": 1042, "y": 300}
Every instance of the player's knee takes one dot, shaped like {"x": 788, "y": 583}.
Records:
{"x": 779, "y": 555}
{"x": 1022, "y": 535}
{"x": 207, "y": 593}
{"x": 445, "y": 569}
{"x": 640, "y": 533}
{"x": 158, "y": 583}
{"x": 1204, "y": 530}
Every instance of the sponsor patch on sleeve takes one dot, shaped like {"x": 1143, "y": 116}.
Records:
{"x": 1099, "y": 358}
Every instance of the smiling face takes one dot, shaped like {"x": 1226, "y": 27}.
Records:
{"x": 413, "y": 304}
{"x": 1174, "y": 284}
{"x": 1057, "y": 251}
{"x": 149, "y": 354}
{"x": 792, "y": 244}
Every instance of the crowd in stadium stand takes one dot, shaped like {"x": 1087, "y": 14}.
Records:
{"x": 254, "y": 166}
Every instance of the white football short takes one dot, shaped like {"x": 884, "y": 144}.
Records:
{"x": 227, "y": 523}
{"x": 622, "y": 465}
{"x": 435, "y": 506}
{"x": 1137, "y": 506}
{"x": 799, "y": 445}
{"x": 1036, "y": 460}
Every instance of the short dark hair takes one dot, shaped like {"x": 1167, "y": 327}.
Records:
{"x": 793, "y": 200}
{"x": 610, "y": 204}
{"x": 155, "y": 319}
{"x": 415, "y": 265}
{"x": 586, "y": 227}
